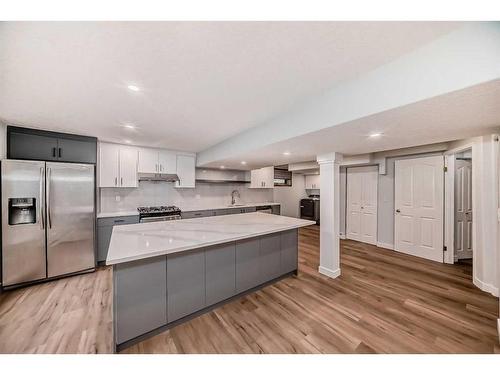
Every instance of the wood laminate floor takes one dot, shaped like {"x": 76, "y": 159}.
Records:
{"x": 384, "y": 302}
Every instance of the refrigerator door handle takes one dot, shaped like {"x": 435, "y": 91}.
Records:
{"x": 49, "y": 219}
{"x": 42, "y": 221}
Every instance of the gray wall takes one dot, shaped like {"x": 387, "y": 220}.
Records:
{"x": 385, "y": 219}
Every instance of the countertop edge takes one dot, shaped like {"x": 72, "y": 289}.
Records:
{"x": 201, "y": 245}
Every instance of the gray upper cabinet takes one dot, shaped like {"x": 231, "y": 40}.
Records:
{"x": 247, "y": 264}
{"x": 33, "y": 144}
{"x": 76, "y": 151}
{"x": 270, "y": 256}
{"x": 31, "y": 147}
{"x": 140, "y": 290}
{"x": 186, "y": 283}
{"x": 220, "y": 265}
{"x": 289, "y": 242}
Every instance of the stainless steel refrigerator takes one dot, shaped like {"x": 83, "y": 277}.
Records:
{"x": 48, "y": 220}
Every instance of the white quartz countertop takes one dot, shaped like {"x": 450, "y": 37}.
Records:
{"x": 205, "y": 207}
{"x": 146, "y": 240}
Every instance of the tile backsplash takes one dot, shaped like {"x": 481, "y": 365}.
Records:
{"x": 164, "y": 193}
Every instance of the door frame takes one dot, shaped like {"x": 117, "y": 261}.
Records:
{"x": 449, "y": 204}
{"x": 346, "y": 214}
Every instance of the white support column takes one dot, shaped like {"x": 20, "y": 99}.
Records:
{"x": 329, "y": 258}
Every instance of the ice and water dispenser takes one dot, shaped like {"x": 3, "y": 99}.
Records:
{"x": 22, "y": 211}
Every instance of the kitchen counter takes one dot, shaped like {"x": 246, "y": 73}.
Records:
{"x": 102, "y": 215}
{"x": 171, "y": 271}
{"x": 146, "y": 240}
{"x": 222, "y": 206}
{"x": 185, "y": 208}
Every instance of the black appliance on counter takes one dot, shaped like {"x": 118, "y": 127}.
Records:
{"x": 159, "y": 213}
{"x": 309, "y": 208}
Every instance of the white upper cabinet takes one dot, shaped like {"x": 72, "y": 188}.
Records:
{"x": 128, "y": 166}
{"x": 117, "y": 165}
{"x": 148, "y": 160}
{"x": 262, "y": 178}
{"x": 152, "y": 160}
{"x": 167, "y": 161}
{"x": 186, "y": 165}
{"x": 312, "y": 181}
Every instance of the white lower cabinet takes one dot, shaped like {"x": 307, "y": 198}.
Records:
{"x": 117, "y": 165}
{"x": 312, "y": 181}
{"x": 262, "y": 178}
{"x": 186, "y": 165}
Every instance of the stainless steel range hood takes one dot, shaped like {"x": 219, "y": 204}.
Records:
{"x": 166, "y": 177}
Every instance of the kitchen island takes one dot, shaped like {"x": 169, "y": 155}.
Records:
{"x": 165, "y": 273}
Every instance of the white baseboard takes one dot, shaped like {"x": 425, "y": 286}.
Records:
{"x": 485, "y": 287}
{"x": 389, "y": 246}
{"x": 328, "y": 272}
{"x": 342, "y": 236}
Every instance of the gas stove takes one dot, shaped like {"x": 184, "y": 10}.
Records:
{"x": 158, "y": 213}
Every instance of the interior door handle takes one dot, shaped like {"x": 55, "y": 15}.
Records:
{"x": 398, "y": 211}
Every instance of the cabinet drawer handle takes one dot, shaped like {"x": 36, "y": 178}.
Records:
{"x": 119, "y": 221}
{"x": 197, "y": 214}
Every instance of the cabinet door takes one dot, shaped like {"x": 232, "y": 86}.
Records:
{"x": 220, "y": 263}
{"x": 267, "y": 175}
{"x": 105, "y": 229}
{"x": 289, "y": 251}
{"x": 186, "y": 171}
{"x": 128, "y": 167}
{"x": 270, "y": 257}
{"x": 72, "y": 150}
{"x": 247, "y": 264}
{"x": 256, "y": 179}
{"x": 109, "y": 161}
{"x": 32, "y": 147}
{"x": 185, "y": 283}
{"x": 140, "y": 297}
{"x": 148, "y": 160}
{"x": 167, "y": 162}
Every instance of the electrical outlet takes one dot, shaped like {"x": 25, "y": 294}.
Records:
{"x": 117, "y": 198}
{"x": 197, "y": 196}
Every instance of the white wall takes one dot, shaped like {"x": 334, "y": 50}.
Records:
{"x": 164, "y": 193}
{"x": 290, "y": 196}
{"x": 3, "y": 140}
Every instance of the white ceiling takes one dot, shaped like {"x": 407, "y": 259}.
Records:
{"x": 458, "y": 115}
{"x": 202, "y": 82}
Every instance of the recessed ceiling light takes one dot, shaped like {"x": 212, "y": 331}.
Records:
{"x": 222, "y": 167}
{"x": 286, "y": 153}
{"x": 133, "y": 88}
{"x": 244, "y": 162}
{"x": 375, "y": 135}
{"x": 129, "y": 126}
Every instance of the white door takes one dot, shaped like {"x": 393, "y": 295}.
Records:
{"x": 186, "y": 171}
{"x": 362, "y": 204}
{"x": 128, "y": 167}
{"x": 167, "y": 162}
{"x": 148, "y": 161}
{"x": 419, "y": 190}
{"x": 463, "y": 209}
{"x": 109, "y": 156}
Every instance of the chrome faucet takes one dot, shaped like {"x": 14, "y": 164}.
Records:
{"x": 233, "y": 193}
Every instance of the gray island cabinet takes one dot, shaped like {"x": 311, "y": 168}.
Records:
{"x": 158, "y": 291}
